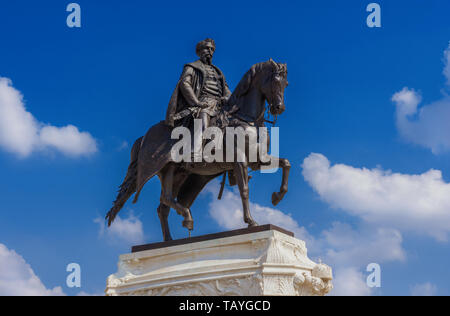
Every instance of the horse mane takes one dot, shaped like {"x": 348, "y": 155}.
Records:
{"x": 246, "y": 81}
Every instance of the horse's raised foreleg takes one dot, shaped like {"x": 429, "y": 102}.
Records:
{"x": 163, "y": 214}
{"x": 168, "y": 196}
{"x": 241, "y": 174}
{"x": 286, "y": 166}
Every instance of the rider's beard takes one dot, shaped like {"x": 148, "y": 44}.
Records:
{"x": 207, "y": 59}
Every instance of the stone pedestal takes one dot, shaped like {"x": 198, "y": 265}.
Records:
{"x": 261, "y": 261}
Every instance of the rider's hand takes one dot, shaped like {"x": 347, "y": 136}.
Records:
{"x": 203, "y": 105}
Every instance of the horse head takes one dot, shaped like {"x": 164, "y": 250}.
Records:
{"x": 265, "y": 81}
{"x": 273, "y": 88}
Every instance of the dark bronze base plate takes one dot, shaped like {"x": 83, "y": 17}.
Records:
{"x": 191, "y": 240}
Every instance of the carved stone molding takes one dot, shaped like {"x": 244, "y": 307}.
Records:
{"x": 256, "y": 264}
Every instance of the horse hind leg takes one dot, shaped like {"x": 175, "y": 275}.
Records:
{"x": 163, "y": 214}
{"x": 168, "y": 196}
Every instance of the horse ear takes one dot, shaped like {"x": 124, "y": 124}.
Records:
{"x": 274, "y": 64}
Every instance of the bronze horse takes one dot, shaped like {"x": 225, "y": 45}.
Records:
{"x": 181, "y": 183}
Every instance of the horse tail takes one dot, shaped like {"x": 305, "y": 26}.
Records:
{"x": 128, "y": 187}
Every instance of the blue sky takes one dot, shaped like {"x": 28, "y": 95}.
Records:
{"x": 360, "y": 97}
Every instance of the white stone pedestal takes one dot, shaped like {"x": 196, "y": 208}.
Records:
{"x": 255, "y": 262}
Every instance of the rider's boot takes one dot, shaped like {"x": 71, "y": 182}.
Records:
{"x": 199, "y": 142}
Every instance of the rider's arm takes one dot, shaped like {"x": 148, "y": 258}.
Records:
{"x": 186, "y": 87}
{"x": 227, "y": 92}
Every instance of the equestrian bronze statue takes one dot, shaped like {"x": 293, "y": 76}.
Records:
{"x": 202, "y": 94}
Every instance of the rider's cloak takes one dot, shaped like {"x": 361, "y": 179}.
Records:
{"x": 179, "y": 101}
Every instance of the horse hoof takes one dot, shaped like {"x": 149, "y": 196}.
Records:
{"x": 275, "y": 198}
{"x": 253, "y": 224}
{"x": 188, "y": 224}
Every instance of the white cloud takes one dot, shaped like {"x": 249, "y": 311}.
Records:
{"x": 129, "y": 230}
{"x": 68, "y": 140}
{"x": 426, "y": 289}
{"x": 345, "y": 246}
{"x": 427, "y": 126}
{"x": 447, "y": 64}
{"x": 123, "y": 145}
{"x": 407, "y": 101}
{"x": 17, "y": 278}
{"x": 18, "y": 128}
{"x": 229, "y": 215}
{"x": 22, "y": 134}
{"x": 350, "y": 282}
{"x": 349, "y": 251}
{"x": 418, "y": 203}
{"x": 341, "y": 247}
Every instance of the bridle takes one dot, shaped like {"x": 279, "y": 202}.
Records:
{"x": 275, "y": 72}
